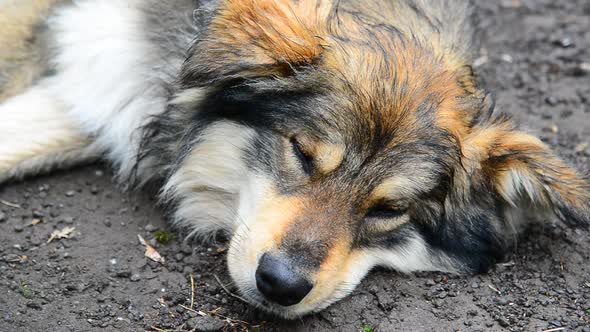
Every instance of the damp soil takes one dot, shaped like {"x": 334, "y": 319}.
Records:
{"x": 535, "y": 56}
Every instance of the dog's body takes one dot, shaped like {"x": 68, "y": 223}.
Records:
{"x": 326, "y": 137}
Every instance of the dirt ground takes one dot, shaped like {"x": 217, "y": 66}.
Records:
{"x": 535, "y": 55}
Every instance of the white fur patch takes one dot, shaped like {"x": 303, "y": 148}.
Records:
{"x": 413, "y": 256}
{"x": 207, "y": 187}
{"x": 104, "y": 74}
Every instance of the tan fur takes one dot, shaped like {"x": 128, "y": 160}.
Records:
{"x": 18, "y": 60}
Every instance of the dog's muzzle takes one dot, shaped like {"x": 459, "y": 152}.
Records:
{"x": 280, "y": 282}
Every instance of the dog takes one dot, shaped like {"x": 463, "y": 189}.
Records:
{"x": 323, "y": 137}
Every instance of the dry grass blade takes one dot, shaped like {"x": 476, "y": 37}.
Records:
{"x": 192, "y": 290}
{"x": 495, "y": 289}
{"x": 555, "y": 329}
{"x": 228, "y": 291}
{"x": 10, "y": 204}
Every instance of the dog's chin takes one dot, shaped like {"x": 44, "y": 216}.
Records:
{"x": 286, "y": 312}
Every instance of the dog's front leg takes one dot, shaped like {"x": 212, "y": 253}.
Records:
{"x": 36, "y": 136}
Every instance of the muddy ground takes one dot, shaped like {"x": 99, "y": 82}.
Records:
{"x": 535, "y": 56}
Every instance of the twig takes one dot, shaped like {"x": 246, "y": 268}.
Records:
{"x": 159, "y": 329}
{"x": 555, "y": 329}
{"x": 494, "y": 289}
{"x": 227, "y": 290}
{"x": 10, "y": 204}
{"x": 192, "y": 290}
{"x": 198, "y": 312}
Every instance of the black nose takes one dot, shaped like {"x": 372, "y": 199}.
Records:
{"x": 279, "y": 282}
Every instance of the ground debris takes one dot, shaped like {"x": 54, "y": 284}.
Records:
{"x": 65, "y": 233}
{"x": 150, "y": 252}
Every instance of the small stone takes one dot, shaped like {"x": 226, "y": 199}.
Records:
{"x": 565, "y": 42}
{"x": 503, "y": 322}
{"x": 149, "y": 228}
{"x": 135, "y": 277}
{"x": 551, "y": 101}
{"x": 2, "y": 216}
{"x": 430, "y": 282}
{"x": 502, "y": 301}
{"x": 38, "y": 214}
{"x": 107, "y": 222}
{"x": 475, "y": 285}
{"x": 123, "y": 274}
{"x": 566, "y": 114}
{"x": 68, "y": 220}
{"x": 99, "y": 173}
{"x": 94, "y": 190}
{"x": 34, "y": 305}
{"x": 187, "y": 250}
{"x": 179, "y": 257}
{"x": 19, "y": 227}
{"x": 70, "y": 193}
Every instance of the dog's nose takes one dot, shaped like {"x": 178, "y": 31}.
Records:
{"x": 279, "y": 282}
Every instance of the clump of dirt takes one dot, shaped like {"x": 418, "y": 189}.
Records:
{"x": 535, "y": 56}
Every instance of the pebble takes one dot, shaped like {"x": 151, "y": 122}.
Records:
{"x": 38, "y": 214}
{"x": 187, "y": 250}
{"x": 503, "y": 322}
{"x": 70, "y": 193}
{"x": 34, "y": 305}
{"x": 19, "y": 227}
{"x": 149, "y": 228}
{"x": 94, "y": 190}
{"x": 564, "y": 42}
{"x": 124, "y": 274}
{"x": 2, "y": 216}
{"x": 107, "y": 223}
{"x": 135, "y": 277}
{"x": 551, "y": 101}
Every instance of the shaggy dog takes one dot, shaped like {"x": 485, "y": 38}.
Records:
{"x": 324, "y": 137}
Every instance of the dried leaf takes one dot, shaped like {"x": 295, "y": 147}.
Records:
{"x": 36, "y": 221}
{"x": 581, "y": 147}
{"x": 150, "y": 252}
{"x": 63, "y": 234}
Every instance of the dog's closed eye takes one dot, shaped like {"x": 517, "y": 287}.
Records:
{"x": 304, "y": 158}
{"x": 387, "y": 210}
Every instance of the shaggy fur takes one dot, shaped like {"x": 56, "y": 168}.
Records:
{"x": 332, "y": 136}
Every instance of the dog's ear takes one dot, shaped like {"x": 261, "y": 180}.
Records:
{"x": 525, "y": 173}
{"x": 255, "y": 38}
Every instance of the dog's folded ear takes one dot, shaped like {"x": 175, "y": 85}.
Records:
{"x": 525, "y": 173}
{"x": 257, "y": 38}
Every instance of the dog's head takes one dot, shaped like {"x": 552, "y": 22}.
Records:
{"x": 327, "y": 143}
